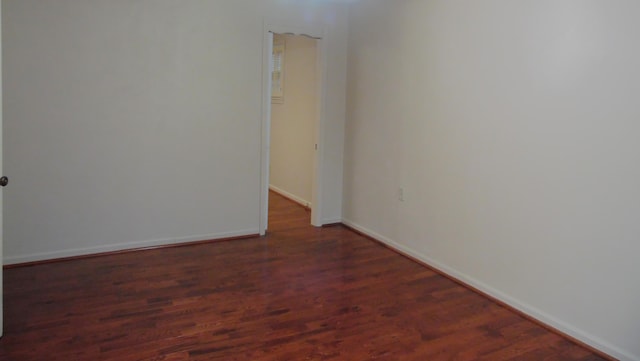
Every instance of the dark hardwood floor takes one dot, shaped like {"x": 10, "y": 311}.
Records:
{"x": 301, "y": 293}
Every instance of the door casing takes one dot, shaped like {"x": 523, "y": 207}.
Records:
{"x": 319, "y": 32}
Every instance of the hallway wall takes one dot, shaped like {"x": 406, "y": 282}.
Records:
{"x": 293, "y": 122}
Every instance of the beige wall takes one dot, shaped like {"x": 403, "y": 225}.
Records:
{"x": 293, "y": 123}
{"x": 513, "y": 128}
{"x": 136, "y": 123}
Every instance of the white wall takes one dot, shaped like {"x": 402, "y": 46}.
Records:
{"x": 513, "y": 128}
{"x": 133, "y": 123}
{"x": 293, "y": 122}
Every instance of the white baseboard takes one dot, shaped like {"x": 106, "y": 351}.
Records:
{"x": 35, "y": 257}
{"x": 291, "y": 196}
{"x": 523, "y": 307}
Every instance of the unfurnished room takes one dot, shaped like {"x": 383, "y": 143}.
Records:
{"x": 320, "y": 180}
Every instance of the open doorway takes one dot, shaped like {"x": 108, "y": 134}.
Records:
{"x": 292, "y": 119}
{"x": 294, "y": 102}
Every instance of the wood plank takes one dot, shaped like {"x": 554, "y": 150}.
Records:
{"x": 300, "y": 293}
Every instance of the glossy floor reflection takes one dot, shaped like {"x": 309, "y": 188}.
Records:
{"x": 301, "y": 293}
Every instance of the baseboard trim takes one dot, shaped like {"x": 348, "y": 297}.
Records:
{"x": 81, "y": 253}
{"x": 591, "y": 343}
{"x": 292, "y": 197}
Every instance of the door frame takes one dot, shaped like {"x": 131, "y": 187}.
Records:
{"x": 318, "y": 32}
{"x": 1, "y": 193}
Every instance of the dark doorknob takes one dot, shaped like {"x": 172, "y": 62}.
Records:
{"x": 4, "y": 181}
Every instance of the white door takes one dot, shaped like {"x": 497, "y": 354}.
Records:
{"x": 1, "y": 259}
